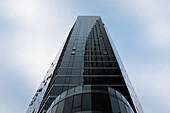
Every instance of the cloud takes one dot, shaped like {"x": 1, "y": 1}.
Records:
{"x": 32, "y": 40}
{"x": 29, "y": 47}
{"x": 155, "y": 16}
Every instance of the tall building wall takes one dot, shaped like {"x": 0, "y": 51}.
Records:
{"x": 87, "y": 76}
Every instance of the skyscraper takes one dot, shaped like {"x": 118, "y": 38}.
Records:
{"x": 87, "y": 76}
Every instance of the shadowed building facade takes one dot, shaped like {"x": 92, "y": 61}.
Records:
{"x": 87, "y": 76}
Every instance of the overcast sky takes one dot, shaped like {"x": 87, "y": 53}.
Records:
{"x": 32, "y": 32}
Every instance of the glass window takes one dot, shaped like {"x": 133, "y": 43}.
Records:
{"x": 86, "y": 102}
{"x": 67, "y": 80}
{"x": 62, "y": 71}
{"x": 70, "y": 64}
{"x": 66, "y": 53}
{"x": 77, "y": 64}
{"x": 54, "y": 109}
{"x": 65, "y": 88}
{"x": 111, "y": 91}
{"x": 76, "y": 71}
{"x": 122, "y": 106}
{"x": 70, "y": 91}
{"x": 78, "y": 89}
{"x": 60, "y": 106}
{"x": 39, "y": 90}
{"x": 69, "y": 71}
{"x": 48, "y": 103}
{"x": 74, "y": 80}
{"x": 101, "y": 102}
{"x": 74, "y": 48}
{"x": 63, "y": 94}
{"x": 73, "y": 52}
{"x": 56, "y": 90}
{"x": 87, "y": 87}
{"x": 57, "y": 99}
{"x": 64, "y": 64}
{"x": 66, "y": 58}
{"x": 114, "y": 105}
{"x": 77, "y": 101}
{"x": 71, "y": 58}
{"x": 68, "y": 105}
{"x": 59, "y": 80}
{"x": 119, "y": 95}
{"x": 76, "y": 110}
{"x": 127, "y": 109}
{"x": 77, "y": 59}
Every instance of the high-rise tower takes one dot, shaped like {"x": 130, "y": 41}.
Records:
{"x": 87, "y": 76}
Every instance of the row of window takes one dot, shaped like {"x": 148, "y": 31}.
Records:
{"x": 89, "y": 49}
{"x": 88, "y": 58}
{"x": 78, "y": 53}
{"x": 89, "y": 64}
{"x": 89, "y": 41}
{"x": 88, "y": 71}
{"x": 88, "y": 80}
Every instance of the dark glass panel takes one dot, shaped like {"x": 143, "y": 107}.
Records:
{"x": 60, "y": 107}
{"x": 64, "y": 64}
{"x": 99, "y": 88}
{"x": 78, "y": 89}
{"x": 87, "y": 88}
{"x": 102, "y": 72}
{"x": 86, "y": 102}
{"x": 77, "y": 59}
{"x": 69, "y": 71}
{"x": 67, "y": 80}
{"x": 122, "y": 106}
{"x": 76, "y": 71}
{"x": 68, "y": 105}
{"x": 77, "y": 64}
{"x": 74, "y": 79}
{"x": 77, "y": 101}
{"x": 76, "y": 110}
{"x": 114, "y": 105}
{"x": 62, "y": 71}
{"x": 48, "y": 103}
{"x": 59, "y": 80}
{"x": 103, "y": 80}
{"x": 127, "y": 109}
{"x": 65, "y": 88}
{"x": 71, "y": 91}
{"x": 54, "y": 109}
{"x": 56, "y": 90}
{"x": 101, "y": 102}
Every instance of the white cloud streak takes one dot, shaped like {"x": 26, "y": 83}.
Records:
{"x": 32, "y": 44}
{"x": 156, "y": 17}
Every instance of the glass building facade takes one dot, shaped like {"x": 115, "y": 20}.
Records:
{"x": 87, "y": 76}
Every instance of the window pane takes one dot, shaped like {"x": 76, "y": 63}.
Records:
{"x": 68, "y": 105}
{"x": 86, "y": 102}
{"x": 101, "y": 102}
{"x": 74, "y": 80}
{"x": 60, "y": 107}
{"x": 54, "y": 109}
{"x": 56, "y": 90}
{"x": 77, "y": 101}
{"x": 114, "y": 104}
{"x": 62, "y": 71}
{"x": 59, "y": 80}
{"x": 122, "y": 106}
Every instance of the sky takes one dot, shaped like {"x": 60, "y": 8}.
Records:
{"x": 33, "y": 31}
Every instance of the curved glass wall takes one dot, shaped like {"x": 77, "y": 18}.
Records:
{"x": 90, "y": 99}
